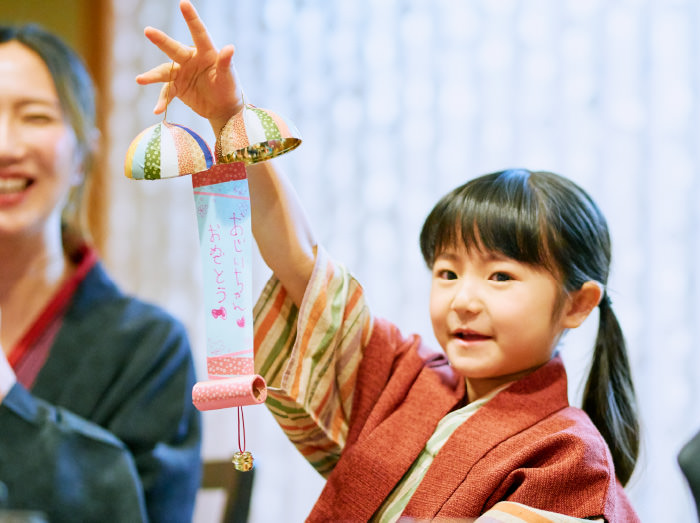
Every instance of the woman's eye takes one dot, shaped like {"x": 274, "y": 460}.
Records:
{"x": 38, "y": 118}
{"x": 501, "y": 276}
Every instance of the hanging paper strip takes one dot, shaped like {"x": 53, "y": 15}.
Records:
{"x": 222, "y": 205}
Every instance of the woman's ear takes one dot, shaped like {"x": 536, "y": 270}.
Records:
{"x": 580, "y": 304}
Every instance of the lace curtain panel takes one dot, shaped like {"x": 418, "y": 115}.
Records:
{"x": 400, "y": 101}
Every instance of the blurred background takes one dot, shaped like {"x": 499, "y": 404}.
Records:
{"x": 398, "y": 101}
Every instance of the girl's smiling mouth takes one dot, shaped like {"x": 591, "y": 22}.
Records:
{"x": 469, "y": 335}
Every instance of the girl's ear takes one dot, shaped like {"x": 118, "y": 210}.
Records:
{"x": 580, "y": 304}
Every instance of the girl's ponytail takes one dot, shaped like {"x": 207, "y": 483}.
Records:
{"x": 609, "y": 398}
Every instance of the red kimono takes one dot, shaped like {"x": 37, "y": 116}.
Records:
{"x": 526, "y": 445}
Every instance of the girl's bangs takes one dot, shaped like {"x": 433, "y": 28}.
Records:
{"x": 497, "y": 214}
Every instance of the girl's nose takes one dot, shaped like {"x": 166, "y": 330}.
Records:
{"x": 467, "y": 297}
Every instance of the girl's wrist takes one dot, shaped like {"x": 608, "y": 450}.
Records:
{"x": 219, "y": 121}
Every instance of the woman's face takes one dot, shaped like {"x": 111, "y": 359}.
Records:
{"x": 39, "y": 159}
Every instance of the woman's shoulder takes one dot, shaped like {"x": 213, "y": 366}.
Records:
{"x": 122, "y": 326}
{"x": 98, "y": 295}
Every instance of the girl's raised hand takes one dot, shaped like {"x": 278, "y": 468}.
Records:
{"x": 202, "y": 76}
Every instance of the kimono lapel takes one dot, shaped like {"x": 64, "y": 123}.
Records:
{"x": 383, "y": 452}
{"x": 512, "y": 410}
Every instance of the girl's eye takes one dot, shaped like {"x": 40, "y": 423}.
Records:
{"x": 501, "y": 276}
{"x": 446, "y": 274}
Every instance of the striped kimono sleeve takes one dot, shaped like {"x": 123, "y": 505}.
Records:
{"x": 510, "y": 512}
{"x": 310, "y": 356}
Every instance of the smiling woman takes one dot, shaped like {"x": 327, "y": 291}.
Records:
{"x": 94, "y": 384}
{"x": 42, "y": 158}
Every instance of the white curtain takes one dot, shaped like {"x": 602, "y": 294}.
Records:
{"x": 400, "y": 101}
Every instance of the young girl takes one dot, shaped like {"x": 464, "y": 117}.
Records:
{"x": 482, "y": 427}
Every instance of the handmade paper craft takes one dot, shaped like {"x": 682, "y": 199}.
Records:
{"x": 222, "y": 204}
{"x": 255, "y": 135}
{"x": 166, "y": 150}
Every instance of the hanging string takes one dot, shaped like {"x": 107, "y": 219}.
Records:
{"x": 242, "y": 460}
{"x": 167, "y": 90}
{"x": 241, "y": 422}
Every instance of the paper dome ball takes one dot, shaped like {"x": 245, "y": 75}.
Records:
{"x": 255, "y": 135}
{"x": 166, "y": 150}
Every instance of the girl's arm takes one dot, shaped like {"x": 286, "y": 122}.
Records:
{"x": 281, "y": 229}
{"x": 204, "y": 78}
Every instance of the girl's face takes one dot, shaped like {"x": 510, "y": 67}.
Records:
{"x": 38, "y": 148}
{"x": 496, "y": 318}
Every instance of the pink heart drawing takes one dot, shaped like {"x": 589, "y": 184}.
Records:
{"x": 219, "y": 313}
{"x": 241, "y": 322}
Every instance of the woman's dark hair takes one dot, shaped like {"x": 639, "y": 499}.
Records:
{"x": 545, "y": 220}
{"x": 76, "y": 95}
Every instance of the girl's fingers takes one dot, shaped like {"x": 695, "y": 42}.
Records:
{"x": 223, "y": 59}
{"x": 171, "y": 47}
{"x": 200, "y": 35}
{"x": 164, "y": 72}
{"x": 167, "y": 93}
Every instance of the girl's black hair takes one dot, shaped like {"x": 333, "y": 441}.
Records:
{"x": 545, "y": 220}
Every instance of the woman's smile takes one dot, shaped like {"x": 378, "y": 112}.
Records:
{"x": 13, "y": 188}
